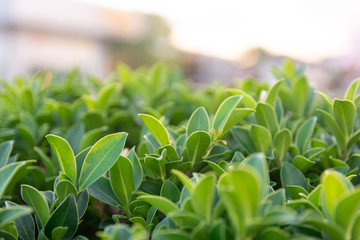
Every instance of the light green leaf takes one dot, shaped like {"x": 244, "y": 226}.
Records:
{"x": 64, "y": 154}
{"x": 156, "y": 128}
{"x": 261, "y": 138}
{"x": 163, "y": 204}
{"x": 137, "y": 168}
{"x": 196, "y": 146}
{"x": 203, "y": 196}
{"x": 223, "y": 113}
{"x": 236, "y": 116}
{"x": 346, "y": 211}
{"x": 121, "y": 180}
{"x": 184, "y": 179}
{"x": 352, "y": 90}
{"x": 271, "y": 97}
{"x": 37, "y": 201}
{"x": 265, "y": 115}
{"x": 58, "y": 233}
{"x": 198, "y": 121}
{"x": 302, "y": 163}
{"x": 344, "y": 112}
{"x": 335, "y": 187}
{"x": 156, "y": 165}
{"x": 282, "y": 143}
{"x": 304, "y": 134}
{"x": 215, "y": 167}
{"x": 101, "y": 158}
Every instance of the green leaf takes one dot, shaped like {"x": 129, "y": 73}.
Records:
{"x": 352, "y": 90}
{"x": 58, "y": 233}
{"x": 326, "y": 98}
{"x": 65, "y": 215}
{"x": 170, "y": 191}
{"x": 344, "y": 112}
{"x": 261, "y": 138}
{"x": 82, "y": 201}
{"x": 10, "y": 214}
{"x": 241, "y": 192}
{"x": 156, "y": 165}
{"x": 5, "y": 150}
{"x": 101, "y": 190}
{"x": 247, "y": 99}
{"x": 282, "y": 143}
{"x": 37, "y": 201}
{"x": 121, "y": 180}
{"x": 304, "y": 134}
{"x": 223, "y": 113}
{"x": 236, "y": 116}
{"x": 64, "y": 154}
{"x": 101, "y": 158}
{"x": 271, "y": 97}
{"x": 347, "y": 209}
{"x": 296, "y": 192}
{"x": 355, "y": 233}
{"x": 258, "y": 162}
{"x": 92, "y": 136}
{"x": 265, "y": 115}
{"x": 203, "y": 196}
{"x": 301, "y": 94}
{"x": 163, "y": 204}
{"x": 335, "y": 187}
{"x": 7, "y": 173}
{"x": 302, "y": 163}
{"x": 184, "y": 179}
{"x": 292, "y": 176}
{"x": 196, "y": 146}
{"x": 80, "y": 158}
{"x": 215, "y": 167}
{"x": 24, "y": 224}
{"x": 64, "y": 188}
{"x": 156, "y": 128}
{"x": 137, "y": 168}
{"x": 339, "y": 135}
{"x": 198, "y": 121}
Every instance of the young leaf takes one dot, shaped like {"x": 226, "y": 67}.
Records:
{"x": 121, "y": 180}
{"x": 65, "y": 215}
{"x": 37, "y": 201}
{"x": 203, "y": 196}
{"x": 261, "y": 138}
{"x": 199, "y": 121}
{"x": 157, "y": 165}
{"x": 265, "y": 115}
{"x": 161, "y": 203}
{"x": 156, "y": 128}
{"x": 101, "y": 158}
{"x": 352, "y": 90}
{"x": 236, "y": 116}
{"x": 224, "y": 111}
{"x": 339, "y": 135}
{"x": 344, "y": 112}
{"x": 282, "y": 143}
{"x": 196, "y": 146}
{"x": 271, "y": 97}
{"x": 64, "y": 154}
{"x": 335, "y": 187}
{"x": 347, "y": 209}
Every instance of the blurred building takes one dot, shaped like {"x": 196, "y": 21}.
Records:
{"x": 61, "y": 35}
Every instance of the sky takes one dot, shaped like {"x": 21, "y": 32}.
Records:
{"x": 307, "y": 30}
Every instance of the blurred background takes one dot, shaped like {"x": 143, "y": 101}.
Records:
{"x": 210, "y": 40}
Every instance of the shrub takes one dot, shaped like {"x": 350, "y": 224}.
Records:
{"x": 237, "y": 167}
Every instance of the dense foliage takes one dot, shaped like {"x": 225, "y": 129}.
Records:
{"x": 147, "y": 154}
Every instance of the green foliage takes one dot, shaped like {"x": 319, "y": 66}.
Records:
{"x": 137, "y": 158}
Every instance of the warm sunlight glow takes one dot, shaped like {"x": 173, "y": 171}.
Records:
{"x": 303, "y": 29}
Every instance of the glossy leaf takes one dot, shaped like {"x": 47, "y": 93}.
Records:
{"x": 161, "y": 203}
{"x": 170, "y": 191}
{"x": 101, "y": 158}
{"x": 156, "y": 128}
{"x": 37, "y": 201}
{"x": 64, "y": 154}
{"x": 282, "y": 143}
{"x": 196, "y": 146}
{"x": 198, "y": 121}
{"x": 304, "y": 134}
{"x": 101, "y": 190}
{"x": 265, "y": 115}
{"x": 261, "y": 138}
{"x": 5, "y": 150}
{"x": 344, "y": 112}
{"x": 203, "y": 196}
